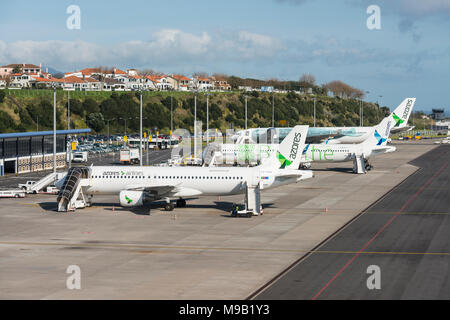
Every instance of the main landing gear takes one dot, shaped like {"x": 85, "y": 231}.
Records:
{"x": 368, "y": 166}
{"x": 181, "y": 203}
{"x": 168, "y": 206}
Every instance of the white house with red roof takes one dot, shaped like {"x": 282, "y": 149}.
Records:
{"x": 180, "y": 82}
{"x": 202, "y": 83}
{"x": 7, "y": 70}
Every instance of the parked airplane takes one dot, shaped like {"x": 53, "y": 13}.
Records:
{"x": 329, "y": 135}
{"x": 374, "y": 144}
{"x": 136, "y": 185}
{"x": 359, "y": 153}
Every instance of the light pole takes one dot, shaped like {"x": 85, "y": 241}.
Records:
{"x": 207, "y": 117}
{"x": 54, "y": 129}
{"x": 109, "y": 136}
{"x": 140, "y": 129}
{"x": 245, "y": 112}
{"x": 37, "y": 123}
{"x": 273, "y": 111}
{"x": 125, "y": 123}
{"x": 68, "y": 110}
{"x": 195, "y": 123}
{"x": 171, "y": 114}
{"x": 314, "y": 112}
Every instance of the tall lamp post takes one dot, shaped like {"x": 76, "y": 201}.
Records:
{"x": 273, "y": 111}
{"x": 171, "y": 114}
{"x": 245, "y": 112}
{"x": 314, "y": 112}
{"x": 54, "y": 129}
{"x": 207, "y": 117}
{"x": 140, "y": 129}
{"x": 195, "y": 123}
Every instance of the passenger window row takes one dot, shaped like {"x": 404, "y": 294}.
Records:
{"x": 169, "y": 177}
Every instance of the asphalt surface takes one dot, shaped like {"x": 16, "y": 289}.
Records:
{"x": 405, "y": 234}
{"x": 112, "y": 158}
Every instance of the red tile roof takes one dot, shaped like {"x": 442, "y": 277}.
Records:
{"x": 180, "y": 77}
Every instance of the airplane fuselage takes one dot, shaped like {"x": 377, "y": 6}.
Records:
{"x": 186, "y": 181}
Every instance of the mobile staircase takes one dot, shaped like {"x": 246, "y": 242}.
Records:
{"x": 46, "y": 181}
{"x": 70, "y": 196}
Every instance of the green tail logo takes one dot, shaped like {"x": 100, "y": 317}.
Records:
{"x": 128, "y": 200}
{"x": 397, "y": 120}
{"x": 283, "y": 161}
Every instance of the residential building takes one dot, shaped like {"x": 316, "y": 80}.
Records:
{"x": 26, "y": 68}
{"x": 220, "y": 83}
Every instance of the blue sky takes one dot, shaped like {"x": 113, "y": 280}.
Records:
{"x": 409, "y": 56}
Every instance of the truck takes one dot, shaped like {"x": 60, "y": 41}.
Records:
{"x": 80, "y": 156}
{"x": 13, "y": 193}
{"x": 27, "y": 185}
{"x": 129, "y": 156}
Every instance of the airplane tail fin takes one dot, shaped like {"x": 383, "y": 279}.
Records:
{"x": 401, "y": 114}
{"x": 290, "y": 150}
{"x": 397, "y": 119}
{"x": 380, "y": 133}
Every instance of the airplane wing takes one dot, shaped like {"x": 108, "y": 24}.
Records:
{"x": 401, "y": 129}
{"x": 300, "y": 174}
{"x": 383, "y": 149}
{"x": 153, "y": 189}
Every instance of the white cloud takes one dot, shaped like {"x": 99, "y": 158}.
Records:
{"x": 167, "y": 48}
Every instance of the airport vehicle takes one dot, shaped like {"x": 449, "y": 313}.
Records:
{"x": 27, "y": 185}
{"x": 129, "y": 156}
{"x": 137, "y": 185}
{"x": 13, "y": 193}
{"x": 80, "y": 156}
{"x": 329, "y": 135}
{"x": 51, "y": 189}
{"x": 254, "y": 153}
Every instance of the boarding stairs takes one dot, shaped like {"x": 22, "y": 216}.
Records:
{"x": 46, "y": 181}
{"x": 71, "y": 196}
{"x": 359, "y": 163}
{"x": 209, "y": 154}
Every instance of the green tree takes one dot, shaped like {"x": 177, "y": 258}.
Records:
{"x": 90, "y": 106}
{"x": 96, "y": 121}
{"x": 76, "y": 107}
{"x": 6, "y": 122}
{"x": 2, "y": 95}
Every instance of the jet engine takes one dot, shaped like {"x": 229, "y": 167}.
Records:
{"x": 131, "y": 198}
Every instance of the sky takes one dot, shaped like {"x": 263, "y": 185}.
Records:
{"x": 409, "y": 56}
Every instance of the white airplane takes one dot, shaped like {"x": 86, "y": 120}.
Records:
{"x": 329, "y": 135}
{"x": 136, "y": 185}
{"x": 359, "y": 153}
{"x": 374, "y": 144}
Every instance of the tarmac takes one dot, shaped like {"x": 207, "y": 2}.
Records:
{"x": 405, "y": 235}
{"x": 197, "y": 252}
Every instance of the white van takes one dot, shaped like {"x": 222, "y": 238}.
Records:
{"x": 80, "y": 156}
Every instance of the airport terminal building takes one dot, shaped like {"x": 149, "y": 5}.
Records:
{"x": 33, "y": 151}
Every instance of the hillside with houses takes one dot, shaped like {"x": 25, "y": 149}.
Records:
{"x": 108, "y": 99}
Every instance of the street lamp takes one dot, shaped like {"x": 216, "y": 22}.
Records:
{"x": 140, "y": 129}
{"x": 171, "y": 114}
{"x": 125, "y": 123}
{"x": 107, "y": 121}
{"x": 314, "y": 112}
{"x": 195, "y": 123}
{"x": 245, "y": 112}
{"x": 207, "y": 117}
{"x": 273, "y": 111}
{"x": 54, "y": 129}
